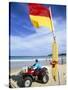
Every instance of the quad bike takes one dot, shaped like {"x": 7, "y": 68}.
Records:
{"x": 30, "y": 75}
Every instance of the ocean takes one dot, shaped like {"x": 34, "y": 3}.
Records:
{"x": 17, "y": 62}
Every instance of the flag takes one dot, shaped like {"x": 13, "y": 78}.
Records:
{"x": 55, "y": 60}
{"x": 39, "y": 16}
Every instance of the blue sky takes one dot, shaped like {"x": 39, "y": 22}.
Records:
{"x": 26, "y": 40}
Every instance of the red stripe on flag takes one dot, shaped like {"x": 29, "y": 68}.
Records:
{"x": 37, "y": 9}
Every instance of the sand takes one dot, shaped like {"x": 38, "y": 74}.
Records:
{"x": 16, "y": 82}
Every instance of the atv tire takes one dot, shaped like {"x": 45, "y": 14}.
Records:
{"x": 27, "y": 82}
{"x": 45, "y": 78}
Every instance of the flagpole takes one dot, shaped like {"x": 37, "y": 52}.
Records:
{"x": 54, "y": 37}
{"x": 52, "y": 27}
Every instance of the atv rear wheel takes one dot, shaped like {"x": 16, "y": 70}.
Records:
{"x": 27, "y": 82}
{"x": 45, "y": 78}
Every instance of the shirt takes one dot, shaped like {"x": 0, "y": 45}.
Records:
{"x": 36, "y": 65}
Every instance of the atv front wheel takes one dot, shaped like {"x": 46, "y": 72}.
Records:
{"x": 27, "y": 82}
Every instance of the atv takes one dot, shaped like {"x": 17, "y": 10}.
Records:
{"x": 32, "y": 75}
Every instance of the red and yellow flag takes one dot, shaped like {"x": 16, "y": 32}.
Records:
{"x": 40, "y": 16}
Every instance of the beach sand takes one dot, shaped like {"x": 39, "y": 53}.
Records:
{"x": 15, "y": 80}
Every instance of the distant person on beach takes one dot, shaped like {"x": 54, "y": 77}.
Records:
{"x": 36, "y": 65}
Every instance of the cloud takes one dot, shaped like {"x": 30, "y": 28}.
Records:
{"x": 40, "y": 43}
{"x": 35, "y": 44}
{"x": 60, "y": 32}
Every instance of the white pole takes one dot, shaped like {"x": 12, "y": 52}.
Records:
{"x": 52, "y": 27}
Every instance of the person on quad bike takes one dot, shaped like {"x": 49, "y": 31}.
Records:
{"x": 36, "y": 65}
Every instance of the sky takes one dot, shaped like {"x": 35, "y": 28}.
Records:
{"x": 26, "y": 40}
